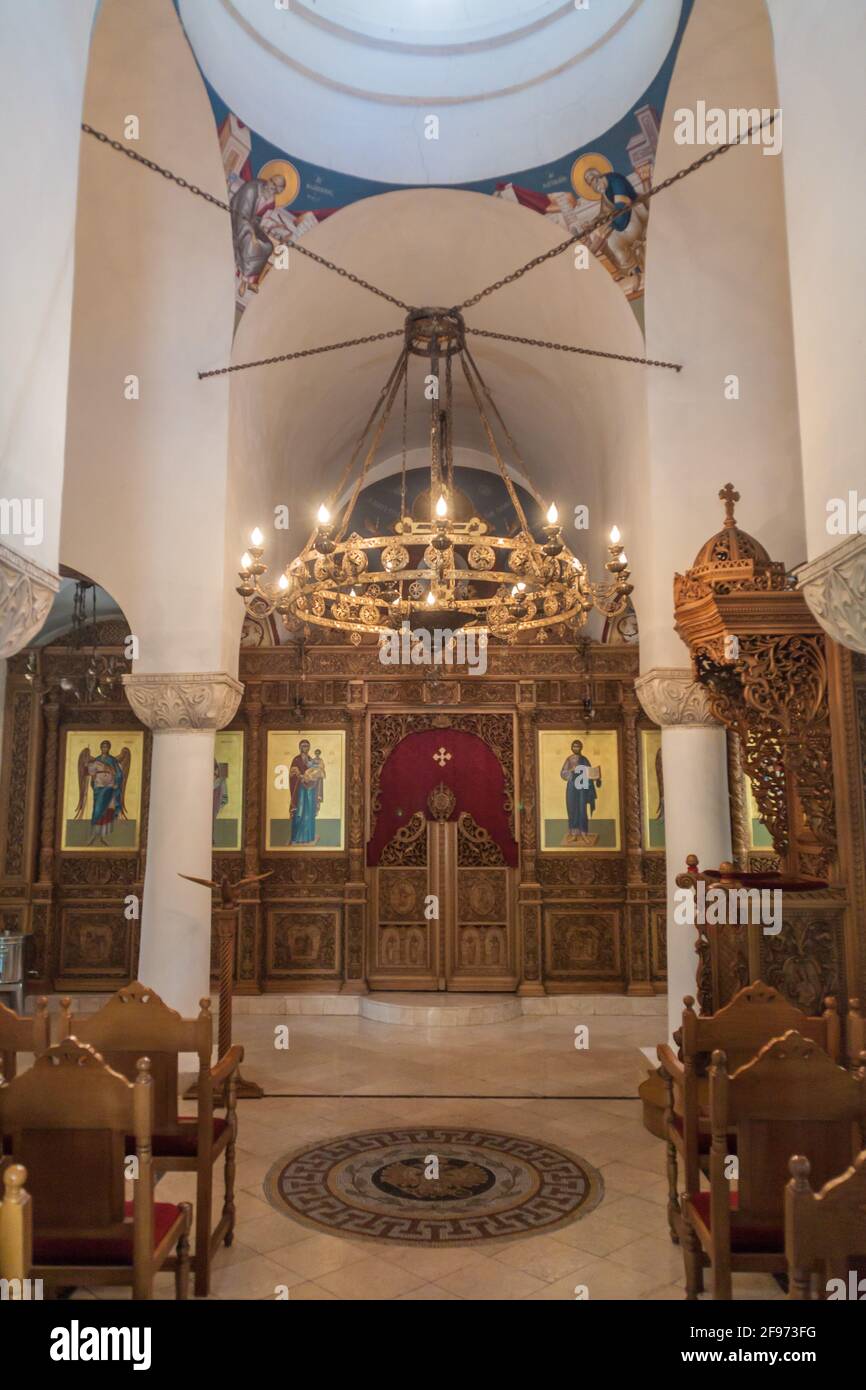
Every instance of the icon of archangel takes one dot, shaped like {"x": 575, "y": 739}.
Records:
{"x": 108, "y": 777}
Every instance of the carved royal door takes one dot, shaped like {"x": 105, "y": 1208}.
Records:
{"x": 442, "y": 905}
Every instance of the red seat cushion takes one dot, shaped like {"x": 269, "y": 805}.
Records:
{"x": 181, "y": 1144}
{"x": 114, "y": 1249}
{"x": 704, "y": 1140}
{"x": 762, "y": 1239}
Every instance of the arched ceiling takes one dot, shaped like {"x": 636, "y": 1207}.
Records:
{"x": 578, "y": 421}
{"x": 514, "y": 83}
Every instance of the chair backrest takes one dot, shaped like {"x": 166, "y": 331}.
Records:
{"x": 20, "y": 1033}
{"x": 66, "y": 1119}
{"x": 757, "y": 1013}
{"x": 16, "y": 1226}
{"x": 790, "y": 1098}
{"x": 136, "y": 1022}
{"x": 827, "y": 1228}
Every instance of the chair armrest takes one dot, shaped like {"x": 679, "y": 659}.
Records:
{"x": 671, "y": 1064}
{"x": 227, "y": 1064}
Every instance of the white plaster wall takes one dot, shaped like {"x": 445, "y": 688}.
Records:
{"x": 43, "y": 59}
{"x": 718, "y": 300}
{"x": 145, "y": 491}
{"x": 820, "y": 52}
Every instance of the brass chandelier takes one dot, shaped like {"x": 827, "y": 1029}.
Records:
{"x": 443, "y": 566}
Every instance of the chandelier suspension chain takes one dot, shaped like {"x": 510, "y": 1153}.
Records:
{"x": 394, "y": 382}
{"x": 494, "y": 448}
{"x": 303, "y": 352}
{"x": 509, "y": 437}
{"x": 568, "y": 347}
{"x": 403, "y": 451}
{"x": 598, "y": 224}
{"x": 336, "y": 492}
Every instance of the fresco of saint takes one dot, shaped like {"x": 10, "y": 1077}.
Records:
{"x": 253, "y": 246}
{"x": 626, "y": 236}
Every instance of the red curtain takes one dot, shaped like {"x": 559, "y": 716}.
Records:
{"x": 464, "y": 763}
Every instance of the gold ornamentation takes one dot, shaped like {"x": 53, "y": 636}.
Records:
{"x": 441, "y": 802}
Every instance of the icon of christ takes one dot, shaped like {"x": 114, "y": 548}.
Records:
{"x": 581, "y": 780}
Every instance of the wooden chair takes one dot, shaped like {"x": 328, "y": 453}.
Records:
{"x": 16, "y": 1232}
{"x": 136, "y": 1022}
{"x": 826, "y": 1230}
{"x": 791, "y": 1097}
{"x": 67, "y": 1118}
{"x": 755, "y": 1015}
{"x": 18, "y": 1033}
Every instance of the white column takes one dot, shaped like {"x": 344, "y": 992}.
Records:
{"x": 183, "y": 711}
{"x": 697, "y": 815}
{"x": 828, "y": 294}
{"x": 43, "y": 59}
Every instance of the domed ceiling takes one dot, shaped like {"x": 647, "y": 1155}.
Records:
{"x": 552, "y": 104}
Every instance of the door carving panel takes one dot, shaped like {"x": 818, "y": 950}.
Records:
{"x": 442, "y": 893}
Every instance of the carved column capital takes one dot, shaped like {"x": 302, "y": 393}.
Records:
{"x": 834, "y": 586}
{"x": 671, "y": 697}
{"x": 26, "y": 594}
{"x": 183, "y": 701}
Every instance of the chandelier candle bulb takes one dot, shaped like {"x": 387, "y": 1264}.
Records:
{"x": 441, "y": 507}
{"x": 323, "y": 516}
{"x": 246, "y": 563}
{"x": 552, "y": 514}
{"x": 256, "y": 537}
{"x": 615, "y": 535}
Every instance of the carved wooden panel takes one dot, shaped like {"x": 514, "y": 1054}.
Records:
{"x": 303, "y": 941}
{"x": 804, "y": 961}
{"x": 582, "y": 945}
{"x": 18, "y": 783}
{"x": 403, "y": 947}
{"x": 658, "y": 943}
{"x": 95, "y": 942}
{"x": 401, "y": 895}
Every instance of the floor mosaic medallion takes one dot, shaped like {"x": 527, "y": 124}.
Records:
{"x": 434, "y": 1186}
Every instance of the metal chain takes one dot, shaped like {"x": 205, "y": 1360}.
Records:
{"x": 209, "y": 198}
{"x": 149, "y": 164}
{"x": 606, "y": 220}
{"x": 567, "y": 347}
{"x": 304, "y": 352}
{"x": 555, "y": 251}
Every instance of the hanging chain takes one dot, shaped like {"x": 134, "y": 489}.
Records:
{"x": 567, "y": 347}
{"x": 149, "y": 164}
{"x": 303, "y": 352}
{"x": 607, "y": 219}
{"x": 599, "y": 223}
{"x": 217, "y": 202}
{"x": 403, "y": 451}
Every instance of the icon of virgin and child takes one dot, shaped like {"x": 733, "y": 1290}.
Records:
{"x": 306, "y": 786}
{"x": 581, "y": 780}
